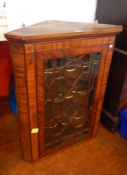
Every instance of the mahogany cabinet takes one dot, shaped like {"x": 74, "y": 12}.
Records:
{"x": 61, "y": 71}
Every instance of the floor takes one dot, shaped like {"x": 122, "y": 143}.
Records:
{"x": 106, "y": 154}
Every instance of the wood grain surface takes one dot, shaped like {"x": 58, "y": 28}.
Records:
{"x": 29, "y": 51}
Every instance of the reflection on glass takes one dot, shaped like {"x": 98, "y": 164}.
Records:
{"x": 69, "y": 93}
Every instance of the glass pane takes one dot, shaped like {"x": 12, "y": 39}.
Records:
{"x": 69, "y": 93}
{"x": 93, "y": 76}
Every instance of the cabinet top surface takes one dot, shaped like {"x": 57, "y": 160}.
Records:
{"x": 58, "y": 29}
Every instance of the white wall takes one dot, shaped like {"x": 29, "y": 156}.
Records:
{"x": 33, "y": 11}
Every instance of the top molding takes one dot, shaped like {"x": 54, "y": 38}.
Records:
{"x": 50, "y": 30}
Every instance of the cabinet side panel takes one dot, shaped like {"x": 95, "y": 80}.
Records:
{"x": 107, "y": 56}
{"x": 30, "y": 61}
{"x": 22, "y": 101}
{"x": 97, "y": 91}
{"x": 40, "y": 96}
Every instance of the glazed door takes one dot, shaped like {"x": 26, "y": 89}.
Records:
{"x": 69, "y": 84}
{"x": 69, "y": 87}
